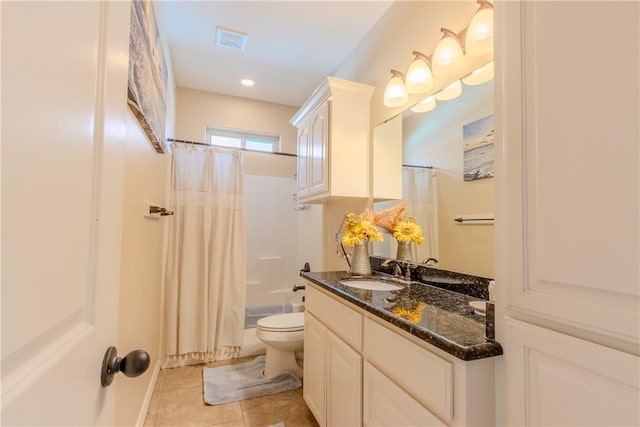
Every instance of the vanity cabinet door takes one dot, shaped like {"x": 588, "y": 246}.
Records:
{"x": 344, "y": 384}
{"x": 315, "y": 350}
{"x": 332, "y": 376}
{"x": 386, "y": 404}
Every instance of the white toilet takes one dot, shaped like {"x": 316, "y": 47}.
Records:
{"x": 283, "y": 334}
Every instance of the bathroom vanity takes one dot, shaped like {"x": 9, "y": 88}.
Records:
{"x": 415, "y": 356}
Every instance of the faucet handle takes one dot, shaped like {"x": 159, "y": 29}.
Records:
{"x": 407, "y": 271}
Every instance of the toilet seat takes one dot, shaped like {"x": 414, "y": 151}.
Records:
{"x": 289, "y": 322}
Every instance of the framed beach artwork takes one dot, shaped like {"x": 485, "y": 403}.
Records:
{"x": 478, "y": 138}
{"x": 147, "y": 92}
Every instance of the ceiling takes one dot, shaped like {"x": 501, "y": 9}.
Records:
{"x": 291, "y": 47}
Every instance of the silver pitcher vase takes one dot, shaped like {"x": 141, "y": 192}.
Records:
{"x": 405, "y": 252}
{"x": 360, "y": 263}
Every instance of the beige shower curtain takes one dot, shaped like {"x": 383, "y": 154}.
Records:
{"x": 420, "y": 193}
{"x": 206, "y": 257}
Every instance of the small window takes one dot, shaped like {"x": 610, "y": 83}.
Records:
{"x": 243, "y": 139}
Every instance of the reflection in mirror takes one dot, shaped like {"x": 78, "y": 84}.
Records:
{"x": 436, "y": 195}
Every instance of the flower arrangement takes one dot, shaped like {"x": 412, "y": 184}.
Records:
{"x": 359, "y": 228}
{"x": 402, "y": 229}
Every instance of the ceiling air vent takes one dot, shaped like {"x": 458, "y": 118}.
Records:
{"x": 231, "y": 39}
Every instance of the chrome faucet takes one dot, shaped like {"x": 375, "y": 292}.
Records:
{"x": 397, "y": 271}
{"x": 398, "y": 267}
{"x": 428, "y": 260}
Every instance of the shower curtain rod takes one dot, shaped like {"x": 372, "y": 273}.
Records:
{"x": 418, "y": 167}
{"x": 233, "y": 148}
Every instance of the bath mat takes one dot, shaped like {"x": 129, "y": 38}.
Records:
{"x": 280, "y": 424}
{"x": 244, "y": 381}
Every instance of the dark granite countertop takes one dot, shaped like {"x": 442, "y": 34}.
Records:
{"x": 440, "y": 317}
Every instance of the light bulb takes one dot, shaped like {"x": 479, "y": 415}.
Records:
{"x": 427, "y": 104}
{"x": 450, "y": 92}
{"x": 419, "y": 78}
{"x": 448, "y": 57}
{"x": 395, "y": 94}
{"x": 479, "y": 76}
{"x": 479, "y": 38}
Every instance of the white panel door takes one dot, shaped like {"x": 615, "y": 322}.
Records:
{"x": 64, "y": 79}
{"x": 571, "y": 171}
{"x": 569, "y": 382}
{"x": 568, "y": 210}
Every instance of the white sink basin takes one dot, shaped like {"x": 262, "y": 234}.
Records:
{"x": 374, "y": 285}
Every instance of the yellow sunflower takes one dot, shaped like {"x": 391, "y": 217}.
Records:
{"x": 359, "y": 229}
{"x": 406, "y": 230}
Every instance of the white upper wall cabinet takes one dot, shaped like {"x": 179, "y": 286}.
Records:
{"x": 333, "y": 142}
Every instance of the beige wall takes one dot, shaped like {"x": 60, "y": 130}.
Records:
{"x": 196, "y": 109}
{"x": 139, "y": 318}
{"x": 141, "y": 268}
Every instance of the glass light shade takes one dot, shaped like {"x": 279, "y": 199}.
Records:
{"x": 450, "y": 92}
{"x": 479, "y": 38}
{"x": 448, "y": 57}
{"x": 419, "y": 78}
{"x": 395, "y": 94}
{"x": 427, "y": 104}
{"x": 479, "y": 76}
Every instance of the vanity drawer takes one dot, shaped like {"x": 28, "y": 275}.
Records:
{"x": 424, "y": 375}
{"x": 341, "y": 319}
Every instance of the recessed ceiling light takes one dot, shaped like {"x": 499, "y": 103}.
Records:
{"x": 247, "y": 82}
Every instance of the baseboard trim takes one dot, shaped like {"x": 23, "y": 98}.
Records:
{"x": 142, "y": 415}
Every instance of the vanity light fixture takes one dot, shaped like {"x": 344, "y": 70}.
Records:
{"x": 448, "y": 57}
{"x": 480, "y": 75}
{"x": 450, "y": 92}
{"x": 479, "y": 37}
{"x": 247, "y": 82}
{"x": 427, "y": 104}
{"x": 419, "y": 78}
{"x": 395, "y": 94}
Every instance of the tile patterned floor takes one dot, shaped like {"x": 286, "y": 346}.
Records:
{"x": 178, "y": 401}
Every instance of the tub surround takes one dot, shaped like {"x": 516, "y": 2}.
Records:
{"x": 442, "y": 318}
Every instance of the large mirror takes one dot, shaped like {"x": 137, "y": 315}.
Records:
{"x": 436, "y": 196}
